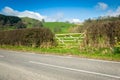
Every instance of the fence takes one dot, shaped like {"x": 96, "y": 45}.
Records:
{"x": 69, "y": 40}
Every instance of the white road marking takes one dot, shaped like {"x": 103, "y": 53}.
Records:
{"x": 63, "y": 56}
{"x": 21, "y": 52}
{"x": 77, "y": 70}
{"x": 105, "y": 61}
{"x": 97, "y": 60}
{"x": 70, "y": 56}
{"x": 1, "y": 56}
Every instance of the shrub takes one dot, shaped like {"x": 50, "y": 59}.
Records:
{"x": 116, "y": 49}
{"x": 102, "y": 33}
{"x": 34, "y": 37}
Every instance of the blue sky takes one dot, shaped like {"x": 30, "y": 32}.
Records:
{"x": 60, "y": 10}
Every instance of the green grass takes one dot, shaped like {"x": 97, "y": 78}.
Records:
{"x": 67, "y": 51}
{"x": 60, "y": 27}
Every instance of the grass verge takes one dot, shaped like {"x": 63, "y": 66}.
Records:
{"x": 65, "y": 51}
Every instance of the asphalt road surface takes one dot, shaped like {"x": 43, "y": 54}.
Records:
{"x": 29, "y": 66}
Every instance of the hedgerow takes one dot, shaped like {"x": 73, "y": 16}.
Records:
{"x": 34, "y": 37}
{"x": 103, "y": 34}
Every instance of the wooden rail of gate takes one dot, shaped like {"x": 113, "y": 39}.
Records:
{"x": 69, "y": 39}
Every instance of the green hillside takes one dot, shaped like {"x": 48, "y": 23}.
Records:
{"x": 32, "y": 22}
{"x": 58, "y": 27}
{"x": 13, "y": 22}
{"x": 10, "y": 22}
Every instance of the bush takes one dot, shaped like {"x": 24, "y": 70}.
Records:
{"x": 116, "y": 49}
{"x": 34, "y": 37}
{"x": 102, "y": 33}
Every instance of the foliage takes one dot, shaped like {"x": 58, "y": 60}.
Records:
{"x": 32, "y": 23}
{"x": 103, "y": 32}
{"x": 20, "y": 25}
{"x": 76, "y": 29}
{"x": 117, "y": 48}
{"x": 10, "y": 21}
{"x": 34, "y": 37}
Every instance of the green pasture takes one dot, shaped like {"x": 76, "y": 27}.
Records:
{"x": 58, "y": 27}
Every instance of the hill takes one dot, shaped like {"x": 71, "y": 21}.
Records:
{"x": 10, "y": 22}
{"x": 30, "y": 23}
{"x": 58, "y": 27}
{"x": 13, "y": 22}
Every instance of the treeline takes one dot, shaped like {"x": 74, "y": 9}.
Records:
{"x": 7, "y": 22}
{"x": 13, "y": 22}
{"x": 35, "y": 37}
{"x": 32, "y": 23}
{"x": 102, "y": 32}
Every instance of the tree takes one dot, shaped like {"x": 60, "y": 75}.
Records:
{"x": 43, "y": 21}
{"x": 38, "y": 24}
{"x": 20, "y": 25}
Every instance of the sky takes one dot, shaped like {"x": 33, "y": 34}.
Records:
{"x": 60, "y": 10}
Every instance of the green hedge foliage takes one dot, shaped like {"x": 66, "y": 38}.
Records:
{"x": 27, "y": 37}
{"x": 102, "y": 33}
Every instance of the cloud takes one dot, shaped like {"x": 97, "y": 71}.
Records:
{"x": 75, "y": 20}
{"x": 114, "y": 12}
{"x": 26, "y": 13}
{"x": 56, "y": 18}
{"x": 101, "y": 6}
{"x": 31, "y": 14}
{"x": 50, "y": 19}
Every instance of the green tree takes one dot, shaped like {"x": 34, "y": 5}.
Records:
{"x": 20, "y": 25}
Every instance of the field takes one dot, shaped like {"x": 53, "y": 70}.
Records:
{"x": 58, "y": 27}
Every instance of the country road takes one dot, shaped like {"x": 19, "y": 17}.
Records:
{"x": 29, "y": 66}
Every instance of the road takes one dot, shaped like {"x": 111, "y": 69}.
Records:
{"x": 29, "y": 66}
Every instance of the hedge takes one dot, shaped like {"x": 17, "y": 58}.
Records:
{"x": 103, "y": 33}
{"x": 27, "y": 37}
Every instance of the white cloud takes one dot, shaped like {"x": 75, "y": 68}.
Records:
{"x": 101, "y": 6}
{"x": 26, "y": 13}
{"x": 57, "y": 17}
{"x": 114, "y": 13}
{"x": 9, "y": 11}
{"x": 50, "y": 19}
{"x": 75, "y": 21}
